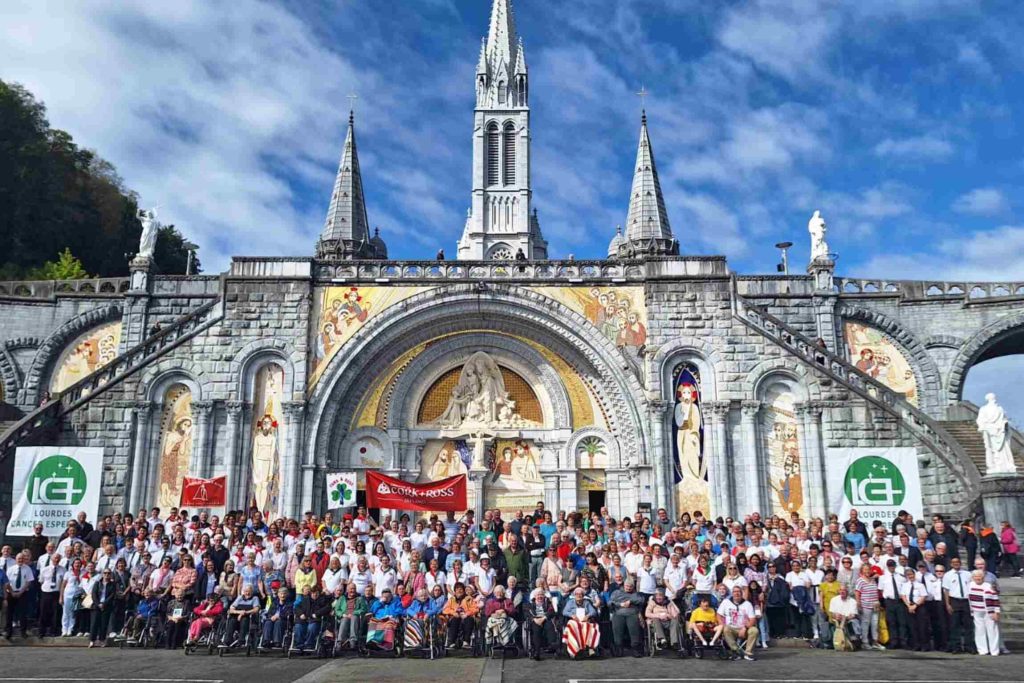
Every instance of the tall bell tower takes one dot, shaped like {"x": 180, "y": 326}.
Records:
{"x": 501, "y": 220}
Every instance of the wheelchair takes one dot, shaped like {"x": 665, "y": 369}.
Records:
{"x": 651, "y": 640}
{"x": 368, "y": 651}
{"x": 718, "y": 649}
{"x": 554, "y": 648}
{"x": 431, "y": 645}
{"x": 207, "y": 642}
{"x": 248, "y": 638}
{"x": 263, "y": 646}
{"x": 322, "y": 647}
{"x": 149, "y": 636}
{"x": 515, "y": 645}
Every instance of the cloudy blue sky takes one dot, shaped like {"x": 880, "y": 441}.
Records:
{"x": 897, "y": 118}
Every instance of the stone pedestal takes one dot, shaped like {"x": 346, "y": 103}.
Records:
{"x": 1002, "y": 497}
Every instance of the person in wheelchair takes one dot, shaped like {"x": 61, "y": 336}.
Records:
{"x": 581, "y": 629}
{"x": 663, "y": 615}
{"x": 147, "y": 609}
{"x": 501, "y": 624}
{"x": 703, "y": 625}
{"x": 461, "y": 611}
{"x": 176, "y": 621}
{"x": 418, "y": 617}
{"x": 349, "y": 610}
{"x": 243, "y": 610}
{"x": 541, "y": 615}
{"x": 384, "y": 618}
{"x": 628, "y": 606}
{"x": 206, "y": 614}
{"x": 276, "y": 618}
{"x": 310, "y": 610}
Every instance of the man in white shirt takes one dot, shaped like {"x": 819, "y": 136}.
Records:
{"x": 955, "y": 585}
{"x": 484, "y": 576}
{"x": 914, "y": 595}
{"x": 19, "y": 579}
{"x": 385, "y": 577}
{"x": 675, "y": 577}
{"x": 107, "y": 559}
{"x": 418, "y": 538}
{"x": 736, "y": 615}
{"x": 50, "y": 576}
{"x": 843, "y": 613}
{"x": 896, "y": 615}
{"x": 153, "y": 519}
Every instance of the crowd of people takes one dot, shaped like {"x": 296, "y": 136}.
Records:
{"x": 542, "y": 582}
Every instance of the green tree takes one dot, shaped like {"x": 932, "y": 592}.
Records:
{"x": 171, "y": 252}
{"x": 66, "y": 267}
{"x": 55, "y": 195}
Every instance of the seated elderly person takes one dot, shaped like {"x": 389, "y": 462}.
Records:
{"x": 628, "y": 606}
{"x": 417, "y": 619}
{"x": 843, "y": 613}
{"x": 244, "y": 608}
{"x": 348, "y": 611}
{"x": 540, "y": 614}
{"x": 206, "y": 614}
{"x": 384, "y": 617}
{"x": 581, "y": 630}
{"x": 663, "y": 614}
{"x": 276, "y": 617}
{"x": 501, "y": 623}
{"x": 310, "y": 609}
{"x": 460, "y": 611}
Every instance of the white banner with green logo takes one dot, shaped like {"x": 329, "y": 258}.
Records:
{"x": 877, "y": 482}
{"x": 52, "y": 484}
{"x": 341, "y": 489}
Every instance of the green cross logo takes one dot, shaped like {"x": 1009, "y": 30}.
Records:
{"x": 342, "y": 494}
{"x": 57, "y": 480}
{"x": 873, "y": 480}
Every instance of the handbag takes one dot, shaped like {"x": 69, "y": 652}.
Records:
{"x": 87, "y": 601}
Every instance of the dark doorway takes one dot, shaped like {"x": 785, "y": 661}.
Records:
{"x": 596, "y": 500}
{"x": 372, "y": 513}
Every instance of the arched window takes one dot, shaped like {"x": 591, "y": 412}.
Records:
{"x": 493, "y": 145}
{"x": 501, "y": 92}
{"x": 510, "y": 153}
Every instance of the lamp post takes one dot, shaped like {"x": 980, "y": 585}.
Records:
{"x": 784, "y": 266}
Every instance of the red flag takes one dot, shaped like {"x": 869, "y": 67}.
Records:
{"x": 203, "y": 493}
{"x": 383, "y": 491}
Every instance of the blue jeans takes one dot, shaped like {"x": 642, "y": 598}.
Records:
{"x": 306, "y": 633}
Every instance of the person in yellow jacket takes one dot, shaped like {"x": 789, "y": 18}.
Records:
{"x": 305, "y": 576}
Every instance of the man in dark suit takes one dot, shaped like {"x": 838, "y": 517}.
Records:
{"x": 913, "y": 555}
{"x": 435, "y": 552}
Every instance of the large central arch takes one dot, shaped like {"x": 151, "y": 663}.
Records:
{"x": 448, "y": 311}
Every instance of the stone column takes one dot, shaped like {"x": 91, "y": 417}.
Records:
{"x": 718, "y": 457}
{"x": 567, "y": 491}
{"x": 749, "y": 475}
{"x": 551, "y": 498}
{"x": 201, "y": 412}
{"x": 476, "y": 492}
{"x": 816, "y": 460}
{"x": 135, "y": 315}
{"x": 140, "y": 454}
{"x": 663, "y": 497}
{"x": 293, "y": 461}
{"x": 243, "y": 458}
{"x": 234, "y": 413}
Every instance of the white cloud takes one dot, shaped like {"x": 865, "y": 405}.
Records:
{"x": 988, "y": 255}
{"x": 972, "y": 57}
{"x": 983, "y": 201}
{"x": 923, "y": 147}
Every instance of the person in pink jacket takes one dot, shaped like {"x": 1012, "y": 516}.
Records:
{"x": 1011, "y": 546}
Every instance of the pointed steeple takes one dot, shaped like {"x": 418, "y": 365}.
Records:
{"x": 520, "y": 59}
{"x": 647, "y": 227}
{"x": 501, "y": 36}
{"x": 481, "y": 64}
{"x": 346, "y": 233}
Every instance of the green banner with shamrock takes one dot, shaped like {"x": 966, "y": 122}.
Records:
{"x": 341, "y": 489}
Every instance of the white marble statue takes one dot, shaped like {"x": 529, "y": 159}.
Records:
{"x": 480, "y": 398}
{"x": 147, "y": 243}
{"x": 816, "y": 226}
{"x": 995, "y": 431}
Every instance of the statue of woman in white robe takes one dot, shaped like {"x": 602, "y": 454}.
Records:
{"x": 995, "y": 431}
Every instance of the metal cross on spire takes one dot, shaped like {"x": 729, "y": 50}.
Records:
{"x": 642, "y": 94}
{"x": 352, "y": 97}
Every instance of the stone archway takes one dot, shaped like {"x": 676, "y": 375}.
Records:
{"x": 440, "y": 313}
{"x": 1002, "y": 338}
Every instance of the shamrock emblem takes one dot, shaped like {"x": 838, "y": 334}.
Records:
{"x": 342, "y": 493}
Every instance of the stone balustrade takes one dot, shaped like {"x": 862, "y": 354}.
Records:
{"x": 49, "y": 290}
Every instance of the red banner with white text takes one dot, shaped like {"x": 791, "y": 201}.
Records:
{"x": 203, "y": 493}
{"x": 383, "y": 491}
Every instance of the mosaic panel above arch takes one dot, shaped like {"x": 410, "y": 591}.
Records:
{"x": 874, "y": 353}
{"x": 85, "y": 355}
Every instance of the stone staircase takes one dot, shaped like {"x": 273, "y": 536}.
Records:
{"x": 960, "y": 423}
{"x": 929, "y": 431}
{"x": 1011, "y": 626}
{"x": 121, "y": 368}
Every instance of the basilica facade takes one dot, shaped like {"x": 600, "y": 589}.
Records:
{"x": 647, "y": 378}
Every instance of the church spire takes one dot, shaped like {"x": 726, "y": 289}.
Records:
{"x": 346, "y": 233}
{"x": 501, "y": 36}
{"x": 647, "y": 227}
